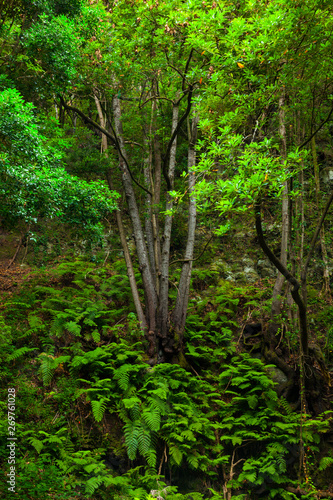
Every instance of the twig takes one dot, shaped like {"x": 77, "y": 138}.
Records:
{"x": 192, "y": 260}
{"x": 317, "y": 130}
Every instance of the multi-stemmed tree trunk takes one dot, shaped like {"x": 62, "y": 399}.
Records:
{"x": 153, "y": 251}
{"x": 163, "y": 328}
{"x": 179, "y": 313}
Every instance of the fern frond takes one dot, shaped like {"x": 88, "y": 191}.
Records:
{"x": 324, "y": 463}
{"x": 20, "y": 352}
{"x": 152, "y": 418}
{"x": 93, "y": 483}
{"x": 131, "y": 432}
{"x": 55, "y": 439}
{"x": 73, "y": 328}
{"x": 37, "y": 444}
{"x": 122, "y": 374}
{"x": 34, "y": 321}
{"x": 57, "y": 326}
{"x": 176, "y": 454}
{"x": 49, "y": 364}
{"x": 150, "y": 456}
{"x": 130, "y": 403}
{"x": 286, "y": 406}
{"x": 144, "y": 440}
{"x": 98, "y": 408}
{"x": 192, "y": 461}
{"x": 46, "y": 368}
{"x": 282, "y": 464}
{"x": 96, "y": 336}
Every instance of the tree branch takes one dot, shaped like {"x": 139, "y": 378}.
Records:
{"x": 200, "y": 254}
{"x": 86, "y": 119}
{"x": 315, "y": 236}
{"x": 317, "y": 130}
{"x": 291, "y": 279}
{"x": 107, "y": 133}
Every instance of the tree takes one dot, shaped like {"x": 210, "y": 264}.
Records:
{"x": 258, "y": 62}
{"x": 129, "y": 87}
{"x": 34, "y": 184}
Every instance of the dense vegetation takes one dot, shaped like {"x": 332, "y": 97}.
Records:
{"x": 165, "y": 322}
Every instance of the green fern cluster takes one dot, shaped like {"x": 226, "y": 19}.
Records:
{"x": 85, "y": 307}
{"x": 257, "y": 430}
{"x": 219, "y": 419}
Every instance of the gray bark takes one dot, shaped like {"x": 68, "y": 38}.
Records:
{"x": 166, "y": 240}
{"x": 156, "y": 196}
{"x": 326, "y": 291}
{"x": 142, "y": 252}
{"x": 277, "y": 291}
{"x": 127, "y": 255}
{"x": 179, "y": 313}
{"x": 147, "y": 170}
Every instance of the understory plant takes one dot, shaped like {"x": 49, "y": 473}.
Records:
{"x": 98, "y": 421}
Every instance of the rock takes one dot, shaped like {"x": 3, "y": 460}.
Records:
{"x": 249, "y": 270}
{"x": 265, "y": 269}
{"x": 273, "y": 229}
{"x": 249, "y": 234}
{"x": 277, "y": 375}
{"x": 327, "y": 175}
{"x": 224, "y": 269}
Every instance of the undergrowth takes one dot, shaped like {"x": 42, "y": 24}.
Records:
{"x": 95, "y": 420}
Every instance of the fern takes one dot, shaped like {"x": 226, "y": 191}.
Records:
{"x": 122, "y": 374}
{"x": 93, "y": 483}
{"x": 152, "y": 418}
{"x": 193, "y": 461}
{"x": 46, "y": 367}
{"x": 72, "y": 327}
{"x": 57, "y": 326}
{"x": 54, "y": 439}
{"x": 98, "y": 408}
{"x": 131, "y": 432}
{"x": 176, "y": 454}
{"x": 96, "y": 336}
{"x": 37, "y": 444}
{"x": 19, "y": 352}
{"x": 144, "y": 439}
{"x": 286, "y": 406}
{"x": 34, "y": 321}
{"x": 324, "y": 463}
{"x": 49, "y": 364}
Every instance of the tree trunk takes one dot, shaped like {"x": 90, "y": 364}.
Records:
{"x": 179, "y": 313}
{"x": 163, "y": 314}
{"x": 325, "y": 291}
{"x": 127, "y": 256}
{"x": 156, "y": 196}
{"x": 277, "y": 291}
{"x": 142, "y": 252}
{"x": 291, "y": 279}
{"x": 148, "y": 176}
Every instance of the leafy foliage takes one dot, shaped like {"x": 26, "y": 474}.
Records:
{"x": 95, "y": 419}
{"x": 34, "y": 184}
